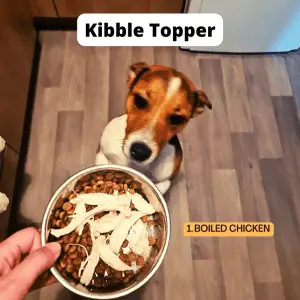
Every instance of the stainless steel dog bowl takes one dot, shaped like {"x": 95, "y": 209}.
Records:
{"x": 158, "y": 202}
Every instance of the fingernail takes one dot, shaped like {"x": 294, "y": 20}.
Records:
{"x": 54, "y": 247}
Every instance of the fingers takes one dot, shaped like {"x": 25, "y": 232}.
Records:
{"x": 21, "y": 278}
{"x": 24, "y": 241}
{"x": 45, "y": 279}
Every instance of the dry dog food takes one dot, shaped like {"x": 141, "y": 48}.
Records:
{"x": 106, "y": 230}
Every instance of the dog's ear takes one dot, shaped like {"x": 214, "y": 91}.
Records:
{"x": 134, "y": 71}
{"x": 200, "y": 102}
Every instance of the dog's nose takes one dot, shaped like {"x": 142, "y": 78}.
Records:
{"x": 140, "y": 151}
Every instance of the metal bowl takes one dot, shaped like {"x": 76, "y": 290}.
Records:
{"x": 163, "y": 233}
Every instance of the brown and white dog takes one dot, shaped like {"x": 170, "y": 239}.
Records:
{"x": 159, "y": 104}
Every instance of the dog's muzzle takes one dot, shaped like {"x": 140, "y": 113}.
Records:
{"x": 140, "y": 152}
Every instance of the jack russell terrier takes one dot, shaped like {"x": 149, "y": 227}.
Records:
{"x": 159, "y": 104}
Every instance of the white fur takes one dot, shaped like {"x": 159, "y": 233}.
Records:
{"x": 111, "y": 151}
{"x": 173, "y": 87}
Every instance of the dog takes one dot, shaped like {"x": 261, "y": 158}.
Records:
{"x": 160, "y": 102}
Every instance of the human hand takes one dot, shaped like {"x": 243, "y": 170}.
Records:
{"x": 18, "y": 274}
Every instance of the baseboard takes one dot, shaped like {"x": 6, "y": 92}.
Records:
{"x": 41, "y": 23}
{"x": 237, "y": 53}
{"x": 69, "y": 24}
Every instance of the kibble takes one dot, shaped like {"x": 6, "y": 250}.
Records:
{"x": 75, "y": 275}
{"x": 62, "y": 215}
{"x": 58, "y": 223}
{"x": 116, "y": 187}
{"x": 63, "y": 263}
{"x": 150, "y": 222}
{"x": 123, "y": 257}
{"x": 152, "y": 240}
{"x": 72, "y": 196}
{"x": 125, "y": 244}
{"x": 109, "y": 183}
{"x": 109, "y": 176}
{"x": 84, "y": 242}
{"x": 56, "y": 213}
{"x": 144, "y": 219}
{"x": 59, "y": 203}
{"x": 67, "y": 206}
{"x": 66, "y": 248}
{"x": 132, "y": 256}
{"x": 73, "y": 255}
{"x": 72, "y": 249}
{"x": 70, "y": 268}
{"x": 88, "y": 189}
{"x": 140, "y": 261}
{"x": 77, "y": 261}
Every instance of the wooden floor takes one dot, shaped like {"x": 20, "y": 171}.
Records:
{"x": 241, "y": 162}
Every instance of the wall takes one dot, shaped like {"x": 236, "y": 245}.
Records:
{"x": 250, "y": 25}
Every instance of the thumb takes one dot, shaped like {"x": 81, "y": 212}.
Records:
{"x": 24, "y": 275}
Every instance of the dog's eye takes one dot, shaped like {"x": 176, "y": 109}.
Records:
{"x": 140, "y": 102}
{"x": 176, "y": 119}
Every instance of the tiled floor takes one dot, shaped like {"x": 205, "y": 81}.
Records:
{"x": 241, "y": 162}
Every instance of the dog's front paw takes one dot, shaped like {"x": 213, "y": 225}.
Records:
{"x": 164, "y": 186}
{"x": 101, "y": 159}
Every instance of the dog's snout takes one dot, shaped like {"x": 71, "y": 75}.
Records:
{"x": 140, "y": 151}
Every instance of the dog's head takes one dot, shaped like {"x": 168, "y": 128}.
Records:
{"x": 159, "y": 104}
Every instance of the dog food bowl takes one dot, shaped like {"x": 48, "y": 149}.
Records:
{"x": 163, "y": 233}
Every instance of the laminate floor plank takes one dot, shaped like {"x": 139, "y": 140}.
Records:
{"x": 252, "y": 194}
{"x": 179, "y": 273}
{"x": 209, "y": 280}
{"x": 265, "y": 126}
{"x": 39, "y": 165}
{"x": 67, "y": 146}
{"x": 287, "y": 240}
{"x": 293, "y": 68}
{"x": 233, "y": 252}
{"x": 289, "y": 129}
{"x": 143, "y": 54}
{"x": 73, "y": 76}
{"x": 96, "y": 110}
{"x": 220, "y": 140}
{"x": 120, "y": 60}
{"x": 238, "y": 108}
{"x": 278, "y": 76}
{"x": 269, "y": 291}
{"x": 52, "y": 58}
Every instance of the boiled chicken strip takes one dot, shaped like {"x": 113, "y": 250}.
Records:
{"x": 77, "y": 218}
{"x": 138, "y": 239}
{"x": 107, "y": 223}
{"x": 109, "y": 257}
{"x": 141, "y": 204}
{"x": 120, "y": 233}
{"x": 91, "y": 264}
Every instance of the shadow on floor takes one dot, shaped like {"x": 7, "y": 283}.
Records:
{"x": 66, "y": 295}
